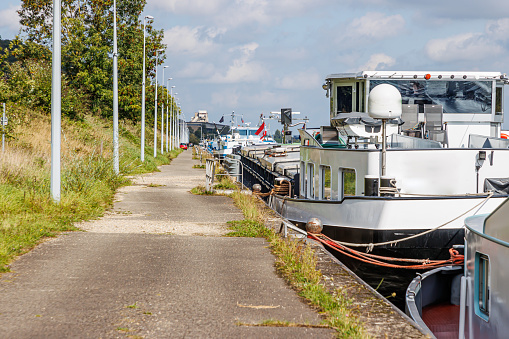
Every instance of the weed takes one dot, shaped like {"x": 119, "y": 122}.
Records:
{"x": 200, "y": 190}
{"x": 132, "y": 306}
{"x": 198, "y": 166}
{"x": 247, "y": 228}
{"x": 154, "y": 185}
{"x": 225, "y": 183}
{"x": 297, "y": 264}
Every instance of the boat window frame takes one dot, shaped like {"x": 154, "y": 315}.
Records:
{"x": 322, "y": 195}
{"x": 353, "y": 100}
{"x": 341, "y": 182}
{"x": 482, "y": 300}
{"x": 499, "y": 99}
{"x": 310, "y": 174}
{"x": 303, "y": 179}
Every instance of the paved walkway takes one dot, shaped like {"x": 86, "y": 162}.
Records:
{"x": 154, "y": 267}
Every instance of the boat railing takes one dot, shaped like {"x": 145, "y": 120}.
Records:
{"x": 407, "y": 142}
{"x": 482, "y": 141}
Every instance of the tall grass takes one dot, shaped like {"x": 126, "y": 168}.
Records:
{"x": 88, "y": 182}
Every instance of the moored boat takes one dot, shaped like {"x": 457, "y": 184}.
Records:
{"x": 473, "y": 301}
{"x": 376, "y": 180}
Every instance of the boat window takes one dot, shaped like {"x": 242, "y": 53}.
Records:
{"x": 325, "y": 182}
{"x": 454, "y": 96}
{"x": 310, "y": 192}
{"x": 357, "y": 97}
{"x": 482, "y": 286}
{"x": 498, "y": 101}
{"x": 347, "y": 179}
{"x": 344, "y": 99}
{"x": 242, "y": 132}
{"x": 303, "y": 179}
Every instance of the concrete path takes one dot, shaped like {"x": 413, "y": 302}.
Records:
{"x": 154, "y": 267}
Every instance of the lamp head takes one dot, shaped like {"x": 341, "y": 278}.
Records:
{"x": 166, "y": 66}
{"x": 149, "y": 17}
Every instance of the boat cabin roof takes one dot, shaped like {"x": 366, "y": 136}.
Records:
{"x": 435, "y": 75}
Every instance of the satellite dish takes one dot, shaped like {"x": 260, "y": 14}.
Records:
{"x": 384, "y": 102}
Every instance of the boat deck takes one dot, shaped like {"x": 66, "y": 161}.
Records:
{"x": 442, "y": 319}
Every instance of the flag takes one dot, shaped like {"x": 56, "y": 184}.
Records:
{"x": 261, "y": 128}
{"x": 264, "y": 134}
{"x": 222, "y": 119}
{"x": 242, "y": 119}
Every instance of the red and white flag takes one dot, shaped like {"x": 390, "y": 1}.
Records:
{"x": 261, "y": 128}
{"x": 263, "y": 135}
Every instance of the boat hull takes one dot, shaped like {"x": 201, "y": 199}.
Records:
{"x": 388, "y": 220}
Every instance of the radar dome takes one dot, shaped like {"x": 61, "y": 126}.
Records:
{"x": 384, "y": 102}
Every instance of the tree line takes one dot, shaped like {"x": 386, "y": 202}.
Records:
{"x": 87, "y": 65}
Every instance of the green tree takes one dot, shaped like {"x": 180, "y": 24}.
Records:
{"x": 87, "y": 34}
{"x": 278, "y": 136}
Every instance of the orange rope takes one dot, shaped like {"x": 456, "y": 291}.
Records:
{"x": 456, "y": 259}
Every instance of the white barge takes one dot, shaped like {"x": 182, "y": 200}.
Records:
{"x": 442, "y": 160}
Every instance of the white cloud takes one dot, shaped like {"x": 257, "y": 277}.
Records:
{"x": 9, "y": 18}
{"x": 243, "y": 68}
{"x": 191, "y": 7}
{"x": 226, "y": 98}
{"x": 498, "y": 29}
{"x": 471, "y": 46}
{"x": 235, "y": 13}
{"x": 300, "y": 80}
{"x": 196, "y": 41}
{"x": 378, "y": 62}
{"x": 196, "y": 69}
{"x": 269, "y": 99}
{"x": 376, "y": 26}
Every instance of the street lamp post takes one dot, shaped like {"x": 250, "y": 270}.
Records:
{"x": 162, "y": 116}
{"x": 115, "y": 92}
{"x": 155, "y": 106}
{"x": 178, "y": 124}
{"x": 56, "y": 104}
{"x": 167, "y": 118}
{"x": 176, "y": 131}
{"x": 142, "y": 156}
{"x": 172, "y": 117}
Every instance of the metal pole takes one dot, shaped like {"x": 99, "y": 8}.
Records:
{"x": 115, "y": 92}
{"x": 162, "y": 116}
{"x": 171, "y": 118}
{"x": 56, "y": 90}
{"x": 155, "y": 110}
{"x": 3, "y": 130}
{"x": 167, "y": 118}
{"x": 142, "y": 155}
{"x": 384, "y": 145}
{"x": 178, "y": 127}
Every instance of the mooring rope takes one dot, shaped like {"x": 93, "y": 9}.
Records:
{"x": 455, "y": 259}
{"x": 370, "y": 246}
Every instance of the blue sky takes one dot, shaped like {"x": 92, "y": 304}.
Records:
{"x": 257, "y": 56}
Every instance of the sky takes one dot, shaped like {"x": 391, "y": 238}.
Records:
{"x": 257, "y": 56}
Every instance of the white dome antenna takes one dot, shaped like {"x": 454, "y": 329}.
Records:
{"x": 384, "y": 102}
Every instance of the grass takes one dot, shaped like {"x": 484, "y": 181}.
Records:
{"x": 28, "y": 214}
{"x": 298, "y": 265}
{"x": 200, "y": 190}
{"x": 198, "y": 166}
{"x": 225, "y": 183}
{"x": 247, "y": 228}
